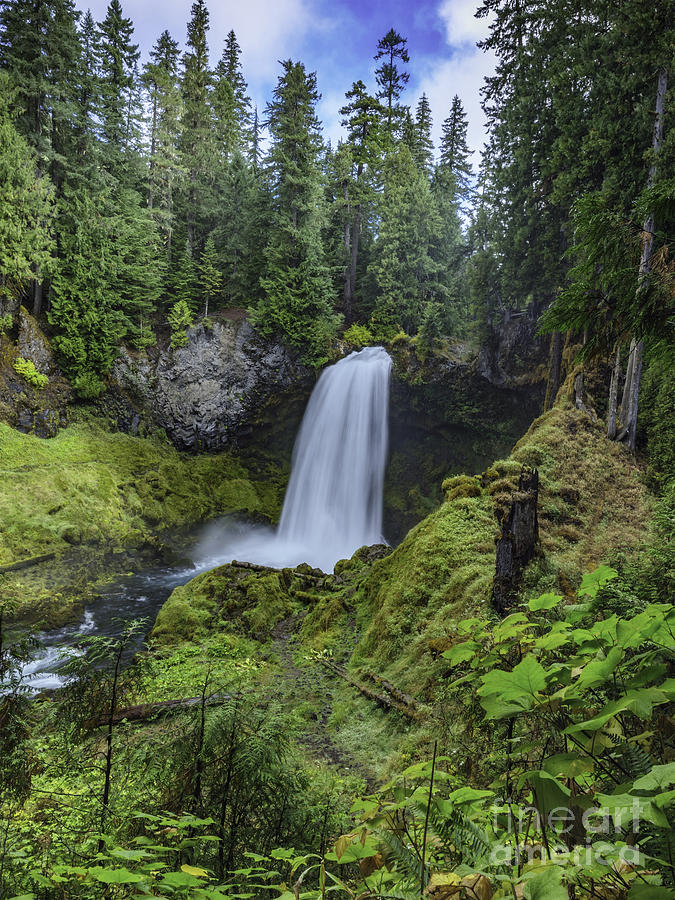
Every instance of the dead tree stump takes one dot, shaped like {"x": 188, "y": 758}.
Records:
{"x": 517, "y": 540}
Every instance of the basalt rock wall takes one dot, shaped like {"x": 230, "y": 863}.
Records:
{"x": 214, "y": 392}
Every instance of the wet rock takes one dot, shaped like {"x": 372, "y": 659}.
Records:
{"x": 209, "y": 393}
{"x": 32, "y": 344}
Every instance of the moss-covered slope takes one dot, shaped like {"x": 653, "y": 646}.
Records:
{"x": 592, "y": 505}
{"x": 88, "y": 495}
{"x": 91, "y": 486}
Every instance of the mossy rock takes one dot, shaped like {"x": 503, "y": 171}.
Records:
{"x": 461, "y": 486}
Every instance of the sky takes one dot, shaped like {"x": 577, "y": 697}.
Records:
{"x": 337, "y": 39}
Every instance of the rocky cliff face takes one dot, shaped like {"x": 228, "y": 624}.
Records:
{"x": 39, "y": 411}
{"x": 212, "y": 392}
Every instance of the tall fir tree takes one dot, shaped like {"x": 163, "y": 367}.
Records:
{"x": 209, "y": 275}
{"x": 455, "y": 153}
{"x": 404, "y": 273}
{"x": 26, "y": 208}
{"x": 391, "y": 79}
{"x": 231, "y": 104}
{"x": 119, "y": 110}
{"x": 39, "y": 48}
{"x": 161, "y": 81}
{"x": 86, "y": 100}
{"x": 297, "y": 293}
{"x": 361, "y": 116}
{"x": 197, "y": 137}
{"x": 423, "y": 150}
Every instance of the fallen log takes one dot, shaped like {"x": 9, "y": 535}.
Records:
{"x": 395, "y": 692}
{"x": 26, "y": 563}
{"x": 382, "y": 700}
{"x": 145, "y": 711}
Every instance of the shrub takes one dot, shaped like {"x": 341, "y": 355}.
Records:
{"x": 88, "y": 386}
{"x": 357, "y": 336}
{"x": 180, "y": 319}
{"x": 6, "y": 322}
{"x": 26, "y": 368}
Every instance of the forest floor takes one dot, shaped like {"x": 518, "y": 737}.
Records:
{"x": 311, "y": 682}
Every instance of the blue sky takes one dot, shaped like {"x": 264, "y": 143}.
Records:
{"x": 337, "y": 40}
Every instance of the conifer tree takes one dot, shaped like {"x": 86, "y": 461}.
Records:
{"x": 119, "y": 111}
{"x": 39, "y": 48}
{"x": 86, "y": 98}
{"x": 455, "y": 151}
{"x": 361, "y": 116}
{"x": 239, "y": 232}
{"x": 161, "y": 81}
{"x": 196, "y": 141}
{"x": 184, "y": 280}
{"x": 390, "y": 78}
{"x": 297, "y": 296}
{"x": 254, "y": 153}
{"x": 231, "y": 105}
{"x": 26, "y": 208}
{"x": 423, "y": 150}
{"x": 210, "y": 276}
{"x": 403, "y": 271}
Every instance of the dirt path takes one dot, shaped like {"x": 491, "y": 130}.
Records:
{"x": 305, "y": 684}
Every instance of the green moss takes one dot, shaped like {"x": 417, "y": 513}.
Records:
{"x": 461, "y": 486}
{"x": 270, "y": 602}
{"x": 444, "y": 565}
{"x": 231, "y": 598}
{"x": 92, "y": 486}
{"x": 106, "y": 492}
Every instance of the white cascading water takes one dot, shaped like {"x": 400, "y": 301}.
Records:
{"x": 333, "y": 504}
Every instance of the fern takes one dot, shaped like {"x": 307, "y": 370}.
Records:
{"x": 407, "y": 859}
{"x": 471, "y": 844}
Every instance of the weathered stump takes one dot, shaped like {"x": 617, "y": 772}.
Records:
{"x": 517, "y": 540}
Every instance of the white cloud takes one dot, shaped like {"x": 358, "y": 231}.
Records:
{"x": 462, "y": 71}
{"x": 267, "y": 30}
{"x": 463, "y": 74}
{"x": 461, "y": 25}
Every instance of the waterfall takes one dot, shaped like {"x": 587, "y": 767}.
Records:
{"x": 333, "y": 504}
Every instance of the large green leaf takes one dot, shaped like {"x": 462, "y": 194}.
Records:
{"x": 460, "y": 652}
{"x": 568, "y": 764}
{"x": 624, "y": 808}
{"x": 546, "y": 886}
{"x": 597, "y": 672}
{"x": 549, "y": 793}
{"x": 640, "y": 702}
{"x": 659, "y": 777}
{"x": 526, "y": 679}
{"x": 545, "y": 601}
{"x": 114, "y": 876}
{"x": 593, "y": 581}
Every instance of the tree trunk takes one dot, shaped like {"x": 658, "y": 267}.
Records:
{"x": 631, "y": 424}
{"x": 517, "y": 541}
{"x": 356, "y": 228}
{"x": 625, "y": 397}
{"x": 631, "y": 394}
{"x": 37, "y": 297}
{"x": 613, "y": 394}
{"x": 153, "y": 145}
{"x": 109, "y": 746}
{"x": 347, "y": 293}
